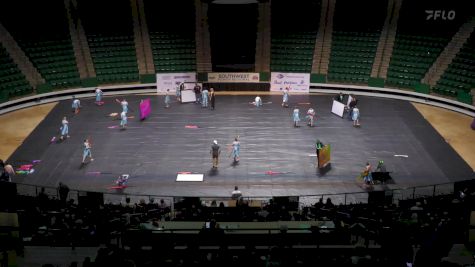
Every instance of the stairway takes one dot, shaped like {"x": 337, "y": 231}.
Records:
{"x": 138, "y": 39}
{"x": 263, "y": 38}
{"x": 147, "y": 45}
{"x": 79, "y": 41}
{"x": 19, "y": 58}
{"x": 327, "y": 42}
{"x": 80, "y": 61}
{"x": 382, "y": 41}
{"x": 321, "y": 55}
{"x": 450, "y": 51}
{"x": 203, "y": 47}
{"x": 317, "y": 53}
{"x": 387, "y": 51}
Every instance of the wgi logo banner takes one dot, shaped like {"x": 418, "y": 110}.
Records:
{"x": 296, "y": 82}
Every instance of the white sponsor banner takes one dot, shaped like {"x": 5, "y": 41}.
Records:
{"x": 172, "y": 80}
{"x": 233, "y": 77}
{"x": 296, "y": 82}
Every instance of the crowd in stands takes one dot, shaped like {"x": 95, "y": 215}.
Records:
{"x": 419, "y": 231}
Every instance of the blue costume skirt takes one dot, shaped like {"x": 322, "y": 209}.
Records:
{"x": 65, "y": 129}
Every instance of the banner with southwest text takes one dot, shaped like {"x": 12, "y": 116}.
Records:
{"x": 296, "y": 82}
{"x": 233, "y": 77}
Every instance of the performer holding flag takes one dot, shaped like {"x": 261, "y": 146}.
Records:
{"x": 124, "y": 104}
{"x": 123, "y": 120}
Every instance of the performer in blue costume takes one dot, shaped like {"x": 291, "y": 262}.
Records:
{"x": 123, "y": 120}
{"x": 124, "y": 104}
{"x": 204, "y": 97}
{"x": 167, "y": 99}
{"x": 99, "y": 96}
{"x": 64, "y": 128}
{"x": 296, "y": 116}
{"x": 355, "y": 116}
{"x": 76, "y": 105}
{"x": 87, "y": 151}
{"x": 258, "y": 101}
{"x": 180, "y": 86}
{"x": 285, "y": 98}
{"x": 236, "y": 148}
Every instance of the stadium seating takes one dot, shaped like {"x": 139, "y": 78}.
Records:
{"x": 418, "y": 44}
{"x": 459, "y": 77}
{"x": 293, "y": 34}
{"x": 354, "y": 44}
{"x": 173, "y": 44}
{"x": 55, "y": 61}
{"x": 12, "y": 81}
{"x": 46, "y": 42}
{"x": 111, "y": 40}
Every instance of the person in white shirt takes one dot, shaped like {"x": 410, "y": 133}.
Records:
{"x": 236, "y": 194}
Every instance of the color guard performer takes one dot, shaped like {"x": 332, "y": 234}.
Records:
{"x": 258, "y": 101}
{"x": 64, "y": 129}
{"x": 167, "y": 99}
{"x": 204, "y": 97}
{"x": 310, "y": 117}
{"x": 76, "y": 105}
{"x": 236, "y": 148}
{"x": 87, "y": 150}
{"x": 124, "y": 104}
{"x": 296, "y": 116}
{"x": 99, "y": 94}
{"x": 285, "y": 98}
{"x": 123, "y": 120}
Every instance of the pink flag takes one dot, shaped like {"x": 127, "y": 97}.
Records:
{"x": 144, "y": 108}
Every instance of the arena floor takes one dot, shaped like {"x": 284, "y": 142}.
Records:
{"x": 276, "y": 158}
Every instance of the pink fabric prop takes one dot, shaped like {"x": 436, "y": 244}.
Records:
{"x": 145, "y": 108}
{"x": 191, "y": 126}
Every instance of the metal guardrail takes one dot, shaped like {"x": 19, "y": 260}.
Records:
{"x": 392, "y": 93}
{"x": 394, "y": 195}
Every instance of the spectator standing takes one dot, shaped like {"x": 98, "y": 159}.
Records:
{"x": 63, "y": 191}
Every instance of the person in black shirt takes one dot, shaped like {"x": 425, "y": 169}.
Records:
{"x": 212, "y": 97}
{"x": 215, "y": 151}
{"x": 318, "y": 146}
{"x": 63, "y": 191}
{"x": 339, "y": 97}
{"x": 197, "y": 90}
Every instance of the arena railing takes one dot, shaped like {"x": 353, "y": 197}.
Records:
{"x": 392, "y": 93}
{"x": 390, "y": 196}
